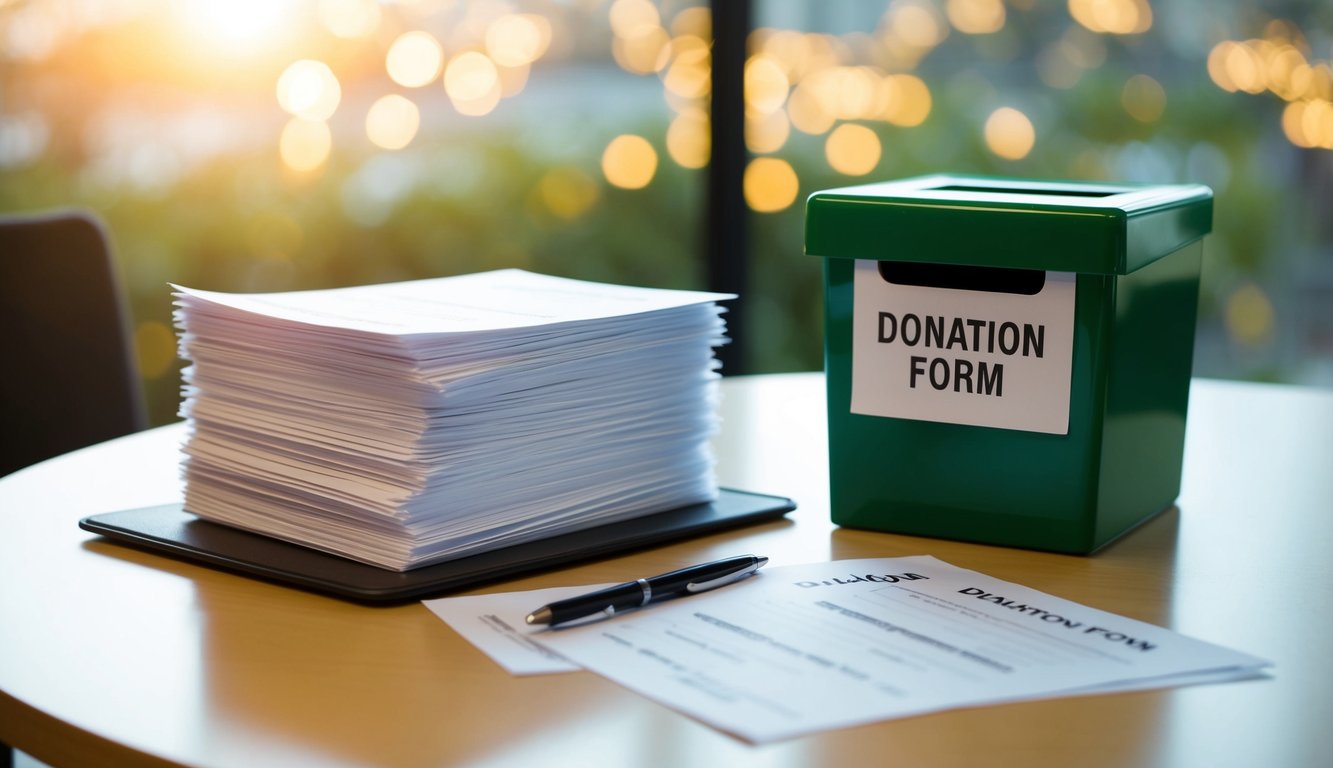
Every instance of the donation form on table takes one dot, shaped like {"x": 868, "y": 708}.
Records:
{"x": 804, "y": 648}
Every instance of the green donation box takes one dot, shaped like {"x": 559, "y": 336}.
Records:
{"x": 1008, "y": 361}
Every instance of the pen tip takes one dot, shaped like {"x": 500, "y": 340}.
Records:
{"x": 540, "y": 616}
{"x": 760, "y": 561}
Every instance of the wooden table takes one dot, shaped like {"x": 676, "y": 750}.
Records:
{"x": 113, "y": 656}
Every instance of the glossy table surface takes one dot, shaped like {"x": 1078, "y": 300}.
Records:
{"x": 111, "y": 656}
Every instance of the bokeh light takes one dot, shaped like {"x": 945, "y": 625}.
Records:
{"x": 567, "y": 192}
{"x": 807, "y": 111}
{"x": 479, "y": 106}
{"x": 1009, "y": 133}
{"x": 629, "y": 162}
{"x": 629, "y": 17}
{"x": 392, "y": 122}
{"x": 1293, "y": 124}
{"x": 770, "y": 184}
{"x": 976, "y": 17}
{"x": 1143, "y": 98}
{"x": 125, "y": 104}
{"x": 644, "y": 51}
{"x": 689, "y": 75}
{"x": 308, "y": 89}
{"x": 155, "y": 349}
{"x": 852, "y": 150}
{"x": 473, "y": 83}
{"x": 846, "y": 93}
{"x": 1235, "y": 67}
{"x": 1275, "y": 64}
{"x": 696, "y": 21}
{"x": 414, "y": 59}
{"x": 470, "y": 75}
{"x": 305, "y": 144}
{"x": 765, "y": 84}
{"x": 350, "y": 19}
{"x": 1063, "y": 62}
{"x": 1115, "y": 17}
{"x": 905, "y": 100}
{"x": 688, "y": 139}
{"x": 765, "y": 133}
{"x": 1250, "y": 318}
{"x": 912, "y": 28}
{"x": 1309, "y": 124}
{"x": 513, "y": 79}
{"x": 518, "y": 39}
{"x": 1318, "y": 123}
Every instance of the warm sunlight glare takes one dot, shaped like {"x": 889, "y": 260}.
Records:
{"x": 350, "y": 18}
{"x": 240, "y": 25}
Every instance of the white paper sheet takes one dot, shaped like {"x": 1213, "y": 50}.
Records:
{"x": 495, "y": 624}
{"x": 799, "y": 649}
{"x": 484, "y": 302}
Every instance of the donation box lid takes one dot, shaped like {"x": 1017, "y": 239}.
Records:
{"x": 1110, "y": 229}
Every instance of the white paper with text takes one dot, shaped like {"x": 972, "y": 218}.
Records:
{"x": 990, "y": 359}
{"x": 799, "y": 649}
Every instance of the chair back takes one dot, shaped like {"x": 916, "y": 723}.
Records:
{"x": 69, "y": 376}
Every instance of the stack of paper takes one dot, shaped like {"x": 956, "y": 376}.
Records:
{"x": 410, "y": 423}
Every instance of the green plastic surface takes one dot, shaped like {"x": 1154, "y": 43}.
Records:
{"x": 1136, "y": 298}
{"x": 1086, "y": 228}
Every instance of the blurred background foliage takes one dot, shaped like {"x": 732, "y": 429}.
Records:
{"x": 264, "y": 145}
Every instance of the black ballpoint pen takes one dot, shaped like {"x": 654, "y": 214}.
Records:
{"x": 633, "y": 594}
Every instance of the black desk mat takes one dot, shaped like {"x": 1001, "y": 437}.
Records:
{"x": 169, "y": 529}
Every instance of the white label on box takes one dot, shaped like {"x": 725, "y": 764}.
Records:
{"x": 986, "y": 358}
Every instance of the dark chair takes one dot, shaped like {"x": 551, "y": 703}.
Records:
{"x": 70, "y": 378}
